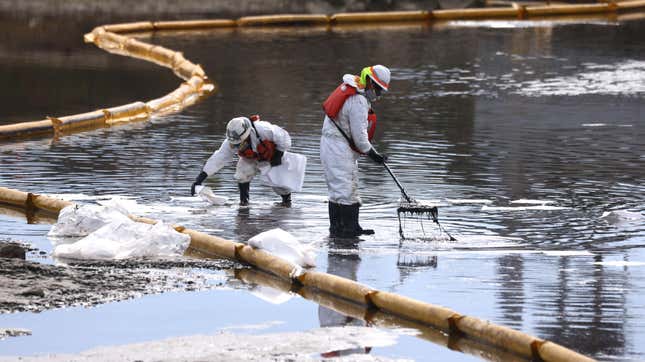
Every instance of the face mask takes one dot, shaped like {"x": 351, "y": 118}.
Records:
{"x": 244, "y": 144}
{"x": 240, "y": 146}
{"x": 370, "y": 94}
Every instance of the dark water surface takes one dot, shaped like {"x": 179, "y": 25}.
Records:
{"x": 527, "y": 134}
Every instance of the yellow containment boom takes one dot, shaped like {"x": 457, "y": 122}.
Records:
{"x": 285, "y": 19}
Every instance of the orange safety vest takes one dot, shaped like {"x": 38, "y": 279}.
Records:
{"x": 335, "y": 101}
{"x": 265, "y": 149}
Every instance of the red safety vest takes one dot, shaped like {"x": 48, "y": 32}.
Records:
{"x": 265, "y": 148}
{"x": 335, "y": 101}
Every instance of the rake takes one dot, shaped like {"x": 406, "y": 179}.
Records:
{"x": 413, "y": 207}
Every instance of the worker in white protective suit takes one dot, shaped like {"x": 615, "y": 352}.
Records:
{"x": 254, "y": 142}
{"x": 346, "y": 134}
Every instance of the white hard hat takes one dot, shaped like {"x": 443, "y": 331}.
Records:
{"x": 380, "y": 74}
{"x": 237, "y": 130}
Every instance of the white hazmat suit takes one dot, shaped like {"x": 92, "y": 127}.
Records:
{"x": 247, "y": 168}
{"x": 345, "y": 137}
{"x": 252, "y": 133}
{"x": 340, "y": 162}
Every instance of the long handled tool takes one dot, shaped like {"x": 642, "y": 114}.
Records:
{"x": 413, "y": 207}
{"x": 405, "y": 194}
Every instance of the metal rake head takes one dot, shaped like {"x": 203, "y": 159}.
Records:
{"x": 414, "y": 208}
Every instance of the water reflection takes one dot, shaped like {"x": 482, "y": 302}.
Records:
{"x": 254, "y": 219}
{"x": 342, "y": 260}
{"x": 511, "y": 295}
{"x": 409, "y": 263}
{"x": 591, "y": 318}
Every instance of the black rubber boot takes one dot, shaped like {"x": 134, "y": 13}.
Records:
{"x": 334, "y": 220}
{"x": 286, "y": 200}
{"x": 347, "y": 222}
{"x": 244, "y": 192}
{"x": 359, "y": 230}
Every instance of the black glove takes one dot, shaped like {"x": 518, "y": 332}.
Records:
{"x": 198, "y": 181}
{"x": 376, "y": 157}
{"x": 276, "y": 160}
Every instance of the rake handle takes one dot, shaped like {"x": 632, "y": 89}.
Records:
{"x": 405, "y": 194}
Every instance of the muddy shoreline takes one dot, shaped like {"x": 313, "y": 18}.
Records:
{"x": 30, "y": 286}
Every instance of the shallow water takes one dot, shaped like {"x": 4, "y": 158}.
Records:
{"x": 525, "y": 134}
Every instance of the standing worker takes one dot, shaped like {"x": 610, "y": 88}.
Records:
{"x": 346, "y": 134}
{"x": 254, "y": 141}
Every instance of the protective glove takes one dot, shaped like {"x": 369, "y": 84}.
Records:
{"x": 198, "y": 181}
{"x": 376, "y": 157}
{"x": 276, "y": 160}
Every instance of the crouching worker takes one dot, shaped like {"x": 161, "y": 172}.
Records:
{"x": 346, "y": 134}
{"x": 255, "y": 142}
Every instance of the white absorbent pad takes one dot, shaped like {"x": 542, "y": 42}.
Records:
{"x": 284, "y": 245}
{"x": 206, "y": 194}
{"x": 289, "y": 175}
{"x": 81, "y": 220}
{"x": 123, "y": 239}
